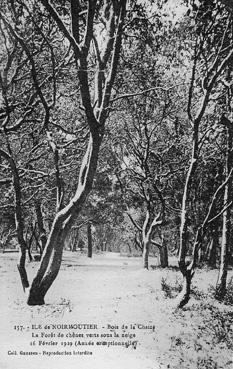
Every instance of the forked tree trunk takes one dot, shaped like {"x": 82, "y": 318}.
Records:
{"x": 50, "y": 264}
{"x": 149, "y": 225}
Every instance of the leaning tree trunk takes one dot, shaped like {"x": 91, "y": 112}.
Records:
{"x": 29, "y": 252}
{"x": 96, "y": 113}
{"x": 63, "y": 222}
{"x": 50, "y": 264}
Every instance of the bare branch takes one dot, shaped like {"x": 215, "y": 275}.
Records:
{"x": 140, "y": 93}
{"x": 221, "y": 212}
{"x": 156, "y": 221}
{"x": 89, "y": 26}
{"x": 133, "y": 221}
{"x": 34, "y": 73}
{"x": 191, "y": 87}
{"x": 159, "y": 245}
{"x": 214, "y": 199}
{"x": 60, "y": 194}
{"x": 114, "y": 62}
{"x": 53, "y": 13}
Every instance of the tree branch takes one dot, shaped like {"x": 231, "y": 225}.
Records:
{"x": 133, "y": 221}
{"x": 53, "y": 13}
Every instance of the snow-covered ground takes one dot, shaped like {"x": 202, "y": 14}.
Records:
{"x": 116, "y": 298}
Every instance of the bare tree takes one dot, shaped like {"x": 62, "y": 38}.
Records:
{"x": 226, "y": 222}
{"x": 215, "y": 66}
{"x": 19, "y": 220}
{"x": 83, "y": 39}
{"x": 142, "y": 180}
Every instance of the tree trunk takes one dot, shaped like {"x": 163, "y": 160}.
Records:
{"x": 29, "y": 244}
{"x": 29, "y": 253}
{"x": 19, "y": 222}
{"x": 226, "y": 231}
{"x": 184, "y": 296}
{"x": 230, "y": 253}
{"x": 163, "y": 255}
{"x": 201, "y": 253}
{"x": 185, "y": 202}
{"x": 222, "y": 276}
{"x": 63, "y": 222}
{"x": 89, "y": 240}
{"x": 74, "y": 247}
{"x": 96, "y": 115}
{"x": 50, "y": 264}
{"x": 145, "y": 254}
{"x": 21, "y": 266}
{"x": 184, "y": 218}
{"x": 41, "y": 229}
{"x": 74, "y": 240}
{"x": 212, "y": 259}
{"x": 38, "y": 245}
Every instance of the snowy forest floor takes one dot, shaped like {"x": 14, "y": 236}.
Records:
{"x": 113, "y": 290}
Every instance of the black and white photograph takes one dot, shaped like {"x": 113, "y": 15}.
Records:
{"x": 116, "y": 184}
